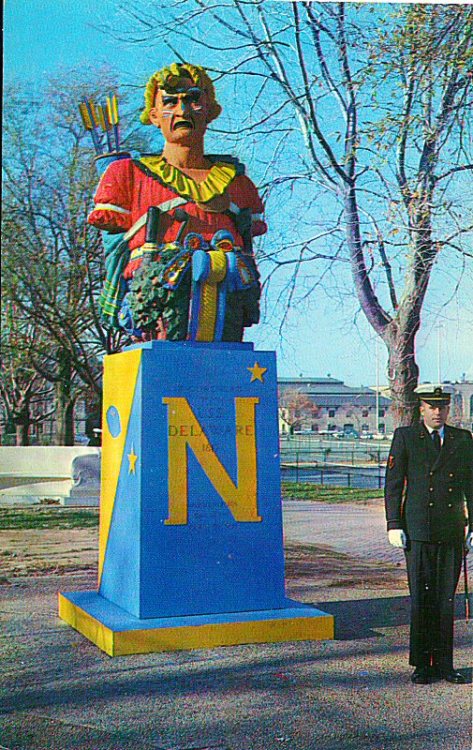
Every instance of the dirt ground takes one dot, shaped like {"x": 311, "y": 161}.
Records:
{"x": 35, "y": 552}
{"x": 28, "y": 552}
{"x": 324, "y": 568}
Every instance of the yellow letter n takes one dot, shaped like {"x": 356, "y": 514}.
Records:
{"x": 185, "y": 430}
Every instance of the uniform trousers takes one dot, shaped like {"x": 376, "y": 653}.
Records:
{"x": 433, "y": 571}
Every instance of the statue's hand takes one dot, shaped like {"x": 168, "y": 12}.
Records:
{"x": 217, "y": 205}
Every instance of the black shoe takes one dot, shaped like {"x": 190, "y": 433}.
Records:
{"x": 421, "y": 676}
{"x": 453, "y": 676}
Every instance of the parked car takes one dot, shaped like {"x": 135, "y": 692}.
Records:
{"x": 351, "y": 433}
{"x": 81, "y": 439}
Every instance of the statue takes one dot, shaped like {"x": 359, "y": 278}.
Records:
{"x": 177, "y": 226}
{"x": 190, "y": 492}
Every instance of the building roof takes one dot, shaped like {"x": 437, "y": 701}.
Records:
{"x": 308, "y": 381}
{"x": 331, "y": 392}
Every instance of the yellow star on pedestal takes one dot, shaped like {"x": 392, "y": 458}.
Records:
{"x": 132, "y": 458}
{"x": 257, "y": 372}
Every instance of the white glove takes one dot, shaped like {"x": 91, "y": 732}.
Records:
{"x": 469, "y": 541}
{"x": 397, "y": 538}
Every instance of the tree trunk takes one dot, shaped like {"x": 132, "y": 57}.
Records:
{"x": 403, "y": 373}
{"x": 22, "y": 431}
{"x": 64, "y": 417}
{"x": 398, "y": 332}
{"x": 64, "y": 404}
{"x": 22, "y": 420}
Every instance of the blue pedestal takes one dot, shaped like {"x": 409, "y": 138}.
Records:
{"x": 191, "y": 523}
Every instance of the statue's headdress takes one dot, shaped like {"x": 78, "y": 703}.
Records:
{"x": 166, "y": 78}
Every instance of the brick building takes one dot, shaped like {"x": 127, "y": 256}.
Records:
{"x": 461, "y": 409}
{"x": 315, "y": 405}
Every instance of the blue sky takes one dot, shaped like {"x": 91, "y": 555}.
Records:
{"x": 42, "y": 36}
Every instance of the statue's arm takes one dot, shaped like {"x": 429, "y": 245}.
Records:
{"x": 113, "y": 198}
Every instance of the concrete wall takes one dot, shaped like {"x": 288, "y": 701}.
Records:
{"x": 34, "y": 473}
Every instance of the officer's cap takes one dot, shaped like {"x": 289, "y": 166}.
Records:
{"x": 433, "y": 394}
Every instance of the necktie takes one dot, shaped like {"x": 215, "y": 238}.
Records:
{"x": 436, "y": 440}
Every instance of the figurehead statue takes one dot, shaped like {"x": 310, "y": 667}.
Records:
{"x": 178, "y": 226}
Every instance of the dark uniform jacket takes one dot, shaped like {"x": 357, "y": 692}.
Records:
{"x": 427, "y": 494}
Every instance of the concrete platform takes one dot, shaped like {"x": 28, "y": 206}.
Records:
{"x": 118, "y": 633}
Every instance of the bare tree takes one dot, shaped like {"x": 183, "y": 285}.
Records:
{"x": 52, "y": 258}
{"x": 296, "y": 408}
{"x": 24, "y": 394}
{"x": 357, "y": 118}
{"x": 51, "y": 261}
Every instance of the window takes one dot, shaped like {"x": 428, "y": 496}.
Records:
{"x": 365, "y": 413}
{"x": 381, "y": 412}
{"x": 331, "y": 413}
{"x": 382, "y": 428}
{"x": 315, "y": 428}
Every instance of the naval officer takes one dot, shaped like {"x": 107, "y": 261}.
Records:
{"x": 429, "y": 512}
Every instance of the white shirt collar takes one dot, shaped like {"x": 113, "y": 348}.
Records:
{"x": 441, "y": 431}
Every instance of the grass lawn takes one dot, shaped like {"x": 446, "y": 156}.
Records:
{"x": 40, "y": 517}
{"x": 326, "y": 494}
{"x": 48, "y": 518}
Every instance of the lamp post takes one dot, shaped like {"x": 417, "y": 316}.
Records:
{"x": 439, "y": 352}
{"x": 377, "y": 384}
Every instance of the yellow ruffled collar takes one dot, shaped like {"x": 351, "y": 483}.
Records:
{"x": 219, "y": 178}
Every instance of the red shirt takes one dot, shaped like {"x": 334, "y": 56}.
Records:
{"x": 126, "y": 191}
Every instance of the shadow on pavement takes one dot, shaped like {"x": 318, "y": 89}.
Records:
{"x": 360, "y": 618}
{"x": 88, "y": 677}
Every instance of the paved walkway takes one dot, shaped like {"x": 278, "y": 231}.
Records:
{"x": 353, "y": 529}
{"x": 59, "y": 692}
{"x": 353, "y": 693}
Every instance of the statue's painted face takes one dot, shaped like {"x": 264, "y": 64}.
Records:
{"x": 180, "y": 111}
